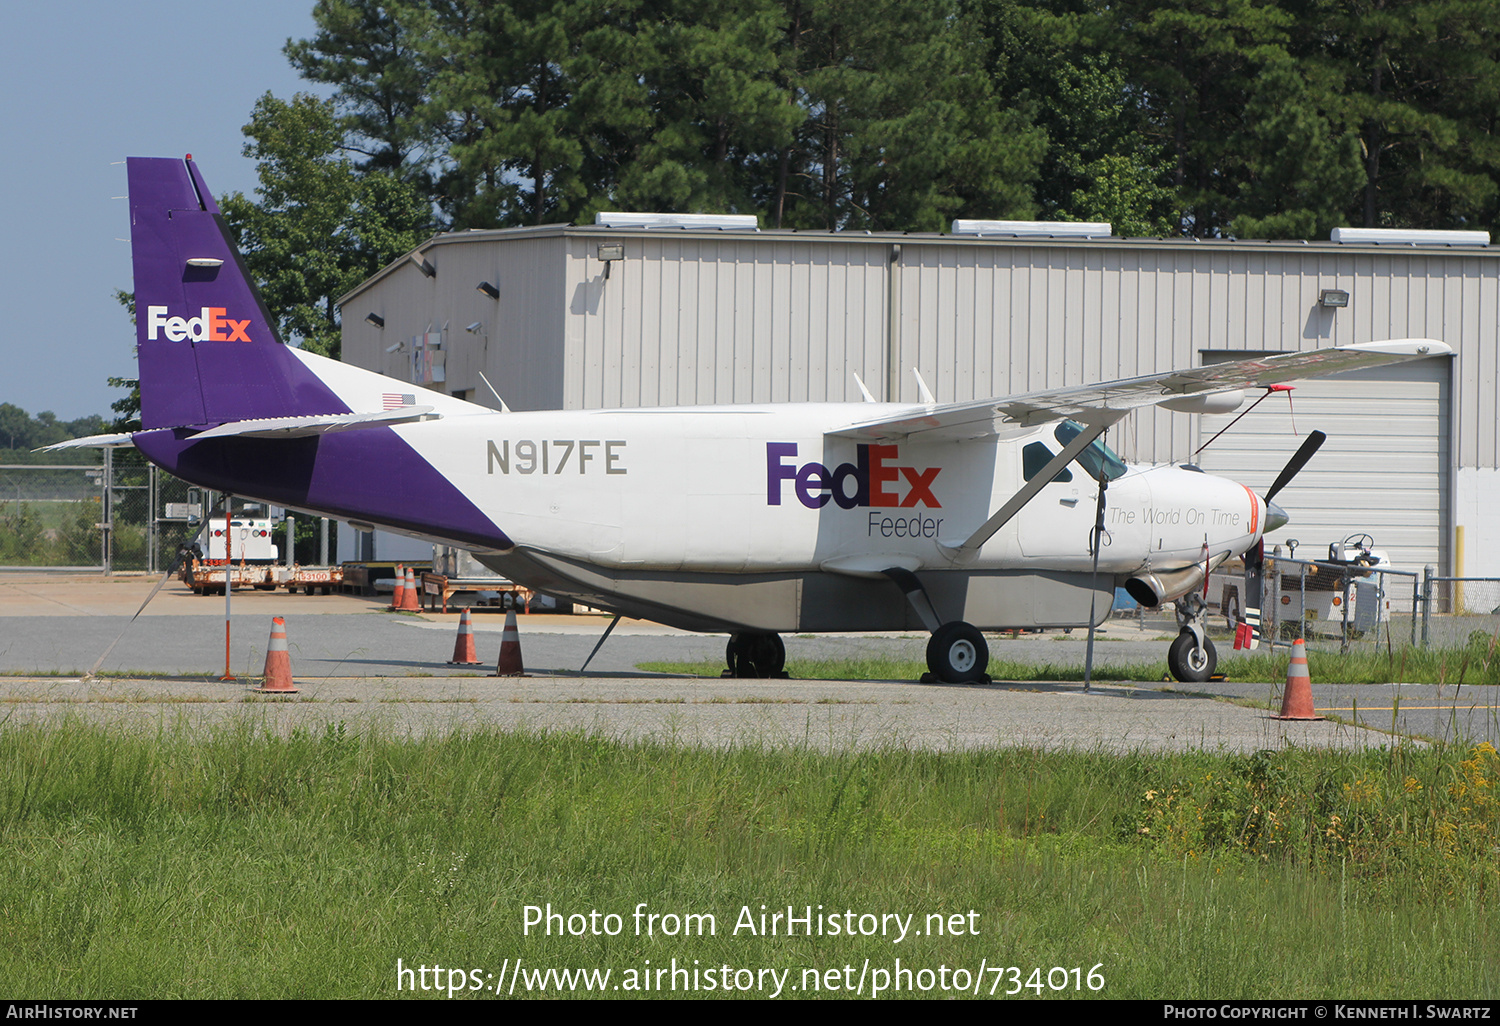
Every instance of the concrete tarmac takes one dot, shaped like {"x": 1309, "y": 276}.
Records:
{"x": 358, "y": 665}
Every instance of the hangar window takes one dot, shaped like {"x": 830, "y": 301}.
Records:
{"x": 1036, "y": 456}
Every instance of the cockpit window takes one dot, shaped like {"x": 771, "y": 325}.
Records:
{"x": 1097, "y": 459}
{"x": 1036, "y": 456}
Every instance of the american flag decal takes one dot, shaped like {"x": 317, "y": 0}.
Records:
{"x": 396, "y": 400}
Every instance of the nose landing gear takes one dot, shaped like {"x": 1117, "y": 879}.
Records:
{"x": 1191, "y": 658}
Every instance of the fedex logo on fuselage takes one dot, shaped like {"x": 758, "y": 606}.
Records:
{"x": 869, "y": 481}
{"x": 210, "y": 326}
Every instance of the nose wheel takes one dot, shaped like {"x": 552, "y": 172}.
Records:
{"x": 1191, "y": 662}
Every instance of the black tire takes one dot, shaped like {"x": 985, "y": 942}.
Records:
{"x": 1188, "y": 663}
{"x": 755, "y": 655}
{"x": 957, "y": 653}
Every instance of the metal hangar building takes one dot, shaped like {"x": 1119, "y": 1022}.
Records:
{"x": 668, "y": 310}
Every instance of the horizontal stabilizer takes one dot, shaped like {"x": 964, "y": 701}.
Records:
{"x": 124, "y": 441}
{"x": 306, "y": 427}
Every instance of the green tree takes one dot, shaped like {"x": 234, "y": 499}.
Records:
{"x": 1302, "y": 171}
{"x": 1192, "y": 65}
{"x": 902, "y": 127}
{"x": 1419, "y": 83}
{"x": 367, "y": 50}
{"x": 718, "y": 81}
{"x": 318, "y": 226}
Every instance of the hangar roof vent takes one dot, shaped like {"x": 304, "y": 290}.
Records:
{"x": 1036, "y": 229}
{"x": 726, "y": 222}
{"x": 1409, "y": 237}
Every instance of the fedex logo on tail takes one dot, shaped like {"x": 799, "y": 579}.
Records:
{"x": 209, "y": 326}
{"x": 871, "y": 480}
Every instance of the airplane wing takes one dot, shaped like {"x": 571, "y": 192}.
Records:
{"x": 1181, "y": 389}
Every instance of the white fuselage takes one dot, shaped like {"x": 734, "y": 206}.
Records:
{"x": 763, "y": 489}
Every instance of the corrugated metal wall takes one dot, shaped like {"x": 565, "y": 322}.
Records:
{"x": 731, "y": 319}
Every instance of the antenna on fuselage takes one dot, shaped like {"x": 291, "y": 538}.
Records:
{"x": 503, "y": 407}
{"x": 862, "y": 389}
{"x": 922, "y": 390}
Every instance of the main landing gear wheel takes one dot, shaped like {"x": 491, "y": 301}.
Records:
{"x": 957, "y": 654}
{"x": 755, "y": 655}
{"x": 1189, "y": 663}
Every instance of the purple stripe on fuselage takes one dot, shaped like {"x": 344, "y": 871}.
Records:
{"x": 370, "y": 474}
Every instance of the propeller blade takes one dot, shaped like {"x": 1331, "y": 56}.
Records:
{"x": 1299, "y": 460}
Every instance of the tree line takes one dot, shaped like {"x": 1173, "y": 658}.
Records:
{"x": 1205, "y": 118}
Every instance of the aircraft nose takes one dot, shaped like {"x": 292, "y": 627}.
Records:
{"x": 1275, "y": 517}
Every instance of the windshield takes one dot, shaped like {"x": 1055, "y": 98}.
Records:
{"x": 1097, "y": 459}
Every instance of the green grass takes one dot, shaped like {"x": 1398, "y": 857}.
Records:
{"x": 241, "y": 863}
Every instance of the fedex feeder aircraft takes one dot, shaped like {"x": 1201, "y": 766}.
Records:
{"x": 752, "y": 520}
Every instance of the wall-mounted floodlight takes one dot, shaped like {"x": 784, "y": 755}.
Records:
{"x": 375, "y": 319}
{"x": 609, "y": 252}
{"x": 1333, "y": 298}
{"x": 477, "y": 328}
{"x": 488, "y": 290}
{"x": 421, "y": 263}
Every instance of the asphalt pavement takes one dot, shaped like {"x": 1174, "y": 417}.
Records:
{"x": 356, "y": 663}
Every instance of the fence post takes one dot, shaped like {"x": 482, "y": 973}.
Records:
{"x": 1270, "y": 606}
{"x": 151, "y": 513}
{"x": 1344, "y": 633}
{"x": 1427, "y": 574}
{"x": 106, "y": 513}
{"x": 1416, "y": 598}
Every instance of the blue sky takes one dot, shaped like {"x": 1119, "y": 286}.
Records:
{"x": 86, "y": 86}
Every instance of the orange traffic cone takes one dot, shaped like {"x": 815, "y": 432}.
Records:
{"x": 510, "y": 664}
{"x": 1297, "y": 701}
{"x": 399, "y": 595}
{"x": 278, "y": 663}
{"x": 411, "y": 602}
{"x": 463, "y": 648}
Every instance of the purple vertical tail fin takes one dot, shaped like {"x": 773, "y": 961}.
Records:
{"x": 207, "y": 347}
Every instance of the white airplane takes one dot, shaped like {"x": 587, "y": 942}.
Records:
{"x": 955, "y": 518}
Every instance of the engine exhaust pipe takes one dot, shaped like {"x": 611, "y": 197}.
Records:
{"x": 1153, "y": 588}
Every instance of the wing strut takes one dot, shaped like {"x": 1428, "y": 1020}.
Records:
{"x": 1095, "y": 422}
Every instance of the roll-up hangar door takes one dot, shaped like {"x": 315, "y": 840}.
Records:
{"x": 1384, "y": 470}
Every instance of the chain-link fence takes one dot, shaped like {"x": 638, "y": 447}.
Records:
{"x": 52, "y": 516}
{"x": 1341, "y": 605}
{"x": 1457, "y": 608}
{"x": 1344, "y": 606}
{"x": 121, "y": 514}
